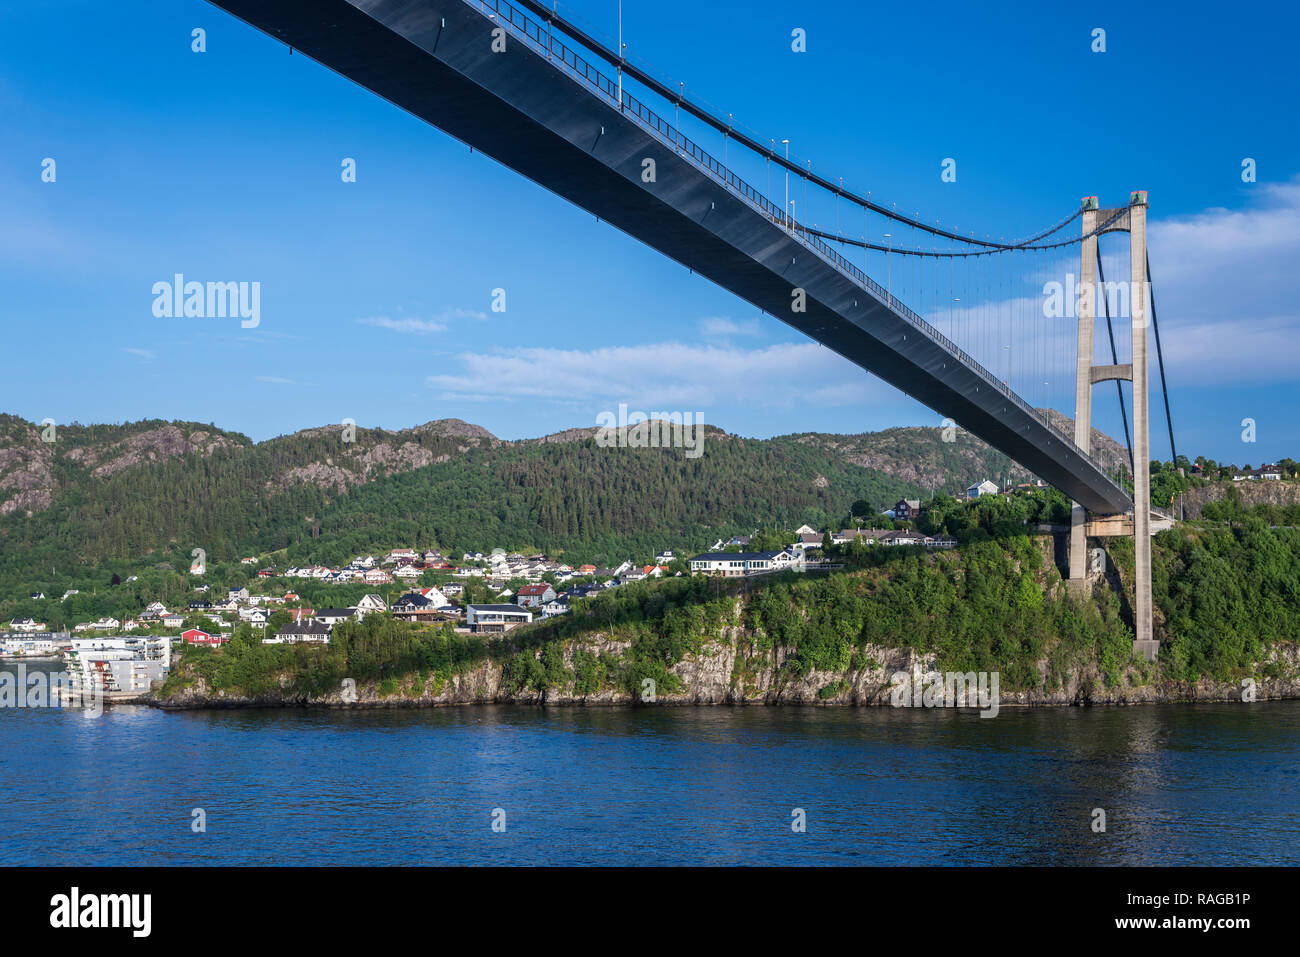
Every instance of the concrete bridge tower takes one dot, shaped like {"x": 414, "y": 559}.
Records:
{"x": 1132, "y": 220}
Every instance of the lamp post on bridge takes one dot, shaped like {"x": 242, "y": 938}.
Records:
{"x": 889, "y": 268}
{"x": 787, "y": 179}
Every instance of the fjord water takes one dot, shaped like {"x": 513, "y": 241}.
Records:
{"x": 1180, "y": 784}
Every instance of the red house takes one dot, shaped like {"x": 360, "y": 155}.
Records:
{"x": 535, "y": 596}
{"x": 196, "y": 637}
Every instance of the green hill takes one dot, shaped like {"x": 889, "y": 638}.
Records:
{"x": 104, "y": 493}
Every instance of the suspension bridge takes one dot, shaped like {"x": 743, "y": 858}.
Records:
{"x": 951, "y": 318}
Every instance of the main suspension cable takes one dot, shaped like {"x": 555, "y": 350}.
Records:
{"x": 728, "y": 129}
{"x": 1160, "y": 359}
{"x": 1114, "y": 356}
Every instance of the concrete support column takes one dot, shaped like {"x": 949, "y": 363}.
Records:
{"x": 1078, "y": 557}
{"x": 1144, "y": 642}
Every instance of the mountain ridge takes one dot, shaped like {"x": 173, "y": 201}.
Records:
{"x": 100, "y": 492}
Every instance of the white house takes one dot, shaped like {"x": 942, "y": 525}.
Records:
{"x": 27, "y": 646}
{"x": 983, "y": 488}
{"x": 735, "y": 564}
{"x": 254, "y": 616}
{"x": 369, "y": 603}
{"x": 1269, "y": 473}
{"x": 484, "y": 619}
{"x": 868, "y": 536}
{"x": 436, "y": 595}
{"x": 311, "y": 632}
{"x": 556, "y": 606}
{"x": 902, "y": 538}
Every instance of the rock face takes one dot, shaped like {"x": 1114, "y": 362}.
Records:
{"x": 27, "y": 458}
{"x": 567, "y": 435}
{"x": 155, "y": 445}
{"x": 26, "y": 474}
{"x": 725, "y": 673}
{"x": 1251, "y": 493}
{"x": 458, "y": 427}
{"x": 377, "y": 453}
{"x": 357, "y": 465}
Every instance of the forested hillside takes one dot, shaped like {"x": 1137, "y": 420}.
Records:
{"x": 99, "y": 494}
{"x": 941, "y": 459}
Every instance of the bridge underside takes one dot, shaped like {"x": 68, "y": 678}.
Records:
{"x": 434, "y": 59}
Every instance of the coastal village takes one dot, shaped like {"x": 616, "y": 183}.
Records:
{"x": 126, "y": 657}
{"x": 130, "y": 656}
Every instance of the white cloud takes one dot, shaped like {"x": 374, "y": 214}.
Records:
{"x": 142, "y": 353}
{"x": 419, "y": 326}
{"x": 463, "y": 314}
{"x": 438, "y": 323}
{"x": 1226, "y": 290}
{"x": 666, "y": 375}
{"x": 722, "y": 327}
{"x": 276, "y": 380}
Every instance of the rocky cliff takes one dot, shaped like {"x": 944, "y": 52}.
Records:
{"x": 1251, "y": 493}
{"x": 728, "y": 672}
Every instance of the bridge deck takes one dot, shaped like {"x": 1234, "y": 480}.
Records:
{"x": 544, "y": 112}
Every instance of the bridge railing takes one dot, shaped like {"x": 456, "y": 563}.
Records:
{"x": 569, "y": 62}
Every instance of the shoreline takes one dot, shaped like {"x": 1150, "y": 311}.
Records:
{"x": 719, "y": 676}
{"x": 1017, "y": 701}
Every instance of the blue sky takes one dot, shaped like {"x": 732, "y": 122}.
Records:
{"x": 376, "y": 295}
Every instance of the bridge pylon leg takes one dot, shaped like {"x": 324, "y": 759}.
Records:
{"x": 1078, "y": 557}
{"x": 1144, "y": 642}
